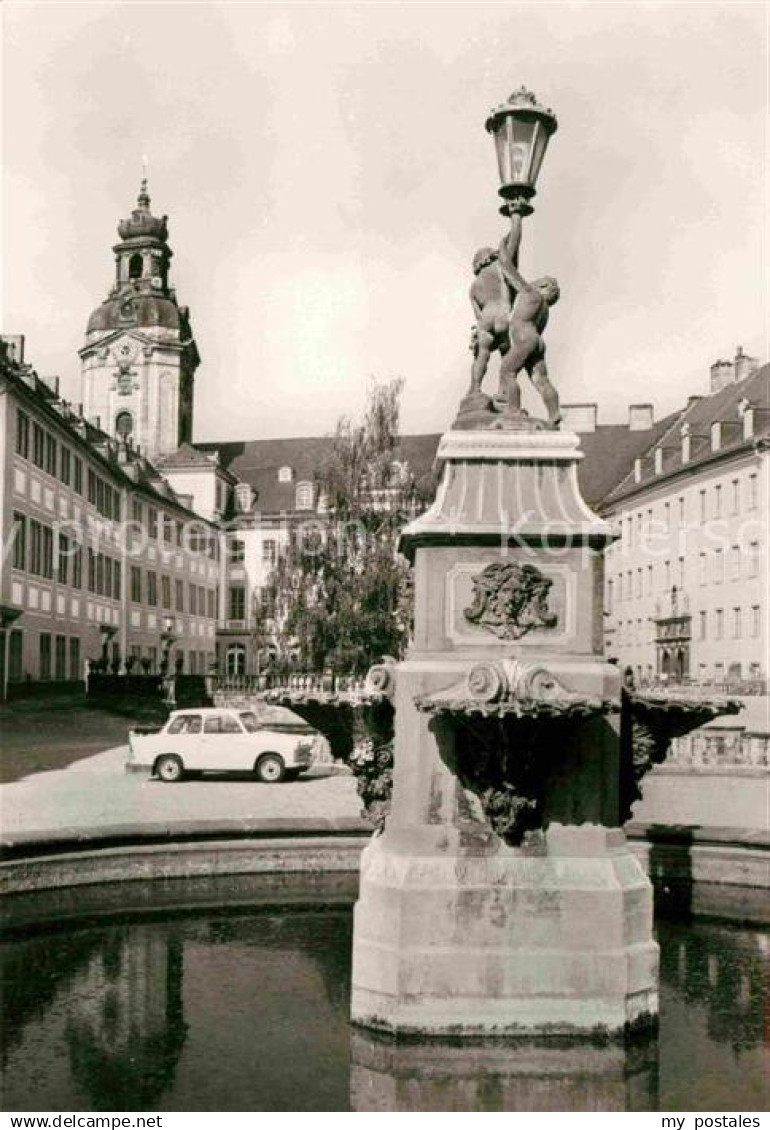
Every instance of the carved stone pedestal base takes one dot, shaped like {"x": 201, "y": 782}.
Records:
{"x": 553, "y": 938}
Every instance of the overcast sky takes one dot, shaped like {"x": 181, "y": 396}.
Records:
{"x": 328, "y": 178}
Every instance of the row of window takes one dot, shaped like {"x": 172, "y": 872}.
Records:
{"x": 104, "y": 574}
{"x": 237, "y": 550}
{"x": 737, "y": 622}
{"x": 724, "y": 499}
{"x": 36, "y": 442}
{"x": 201, "y": 601}
{"x": 33, "y": 552}
{"x": 633, "y": 583}
{"x": 58, "y": 657}
{"x": 104, "y": 496}
{"x": 157, "y": 525}
{"x": 32, "y": 546}
{"x": 705, "y": 674}
{"x": 146, "y": 660}
{"x": 741, "y": 621}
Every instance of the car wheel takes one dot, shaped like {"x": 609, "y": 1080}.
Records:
{"x": 270, "y": 769}
{"x": 169, "y": 768}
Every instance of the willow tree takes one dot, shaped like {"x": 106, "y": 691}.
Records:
{"x": 341, "y": 593}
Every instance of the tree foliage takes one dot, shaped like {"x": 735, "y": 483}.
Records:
{"x": 340, "y": 594}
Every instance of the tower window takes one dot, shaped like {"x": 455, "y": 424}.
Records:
{"x": 124, "y": 424}
{"x": 135, "y": 266}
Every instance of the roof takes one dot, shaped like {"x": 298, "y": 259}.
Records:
{"x": 143, "y": 310}
{"x": 699, "y": 415}
{"x": 609, "y": 453}
{"x": 187, "y": 456}
{"x": 257, "y": 463}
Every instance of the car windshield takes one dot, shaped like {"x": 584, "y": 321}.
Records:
{"x": 249, "y": 721}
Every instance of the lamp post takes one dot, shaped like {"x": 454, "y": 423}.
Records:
{"x": 167, "y": 639}
{"x": 521, "y": 129}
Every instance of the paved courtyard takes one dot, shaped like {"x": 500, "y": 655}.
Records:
{"x": 97, "y": 796}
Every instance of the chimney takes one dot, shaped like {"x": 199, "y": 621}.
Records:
{"x": 722, "y": 374}
{"x": 744, "y": 365}
{"x": 14, "y": 345}
{"x": 579, "y": 417}
{"x": 641, "y": 417}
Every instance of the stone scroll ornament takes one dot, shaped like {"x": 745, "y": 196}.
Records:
{"x": 510, "y": 721}
{"x": 510, "y": 600}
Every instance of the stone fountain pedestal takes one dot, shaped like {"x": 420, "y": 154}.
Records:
{"x": 501, "y": 897}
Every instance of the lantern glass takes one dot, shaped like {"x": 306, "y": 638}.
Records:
{"x": 513, "y": 142}
{"x": 539, "y": 146}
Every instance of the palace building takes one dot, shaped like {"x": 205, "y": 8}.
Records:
{"x": 687, "y": 583}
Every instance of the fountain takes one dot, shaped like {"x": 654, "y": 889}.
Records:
{"x": 501, "y": 897}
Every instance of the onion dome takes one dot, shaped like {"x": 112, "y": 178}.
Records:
{"x": 141, "y": 224}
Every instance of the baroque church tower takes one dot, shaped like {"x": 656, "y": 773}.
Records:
{"x": 140, "y": 357}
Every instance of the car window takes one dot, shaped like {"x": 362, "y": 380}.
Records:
{"x": 229, "y": 725}
{"x": 249, "y": 721}
{"x": 211, "y": 725}
{"x": 186, "y": 724}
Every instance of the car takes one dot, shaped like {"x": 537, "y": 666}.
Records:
{"x": 214, "y": 740}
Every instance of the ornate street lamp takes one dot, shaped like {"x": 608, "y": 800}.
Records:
{"x": 167, "y": 639}
{"x": 521, "y": 128}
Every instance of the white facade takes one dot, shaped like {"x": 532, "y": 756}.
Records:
{"x": 686, "y": 586}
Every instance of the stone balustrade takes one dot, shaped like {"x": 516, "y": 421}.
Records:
{"x": 716, "y": 749}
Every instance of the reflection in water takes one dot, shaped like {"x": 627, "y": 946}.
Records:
{"x": 125, "y": 1028}
{"x": 248, "y": 1010}
{"x": 535, "y": 1076}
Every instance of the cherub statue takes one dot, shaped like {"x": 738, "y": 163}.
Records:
{"x": 511, "y": 315}
{"x": 528, "y": 320}
{"x": 492, "y": 299}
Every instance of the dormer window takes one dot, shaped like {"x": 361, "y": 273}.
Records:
{"x": 746, "y": 414}
{"x": 285, "y": 474}
{"x": 243, "y": 496}
{"x": 686, "y": 443}
{"x": 304, "y": 496}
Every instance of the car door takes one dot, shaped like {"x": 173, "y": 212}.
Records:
{"x": 237, "y": 743}
{"x": 224, "y": 743}
{"x": 188, "y": 742}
